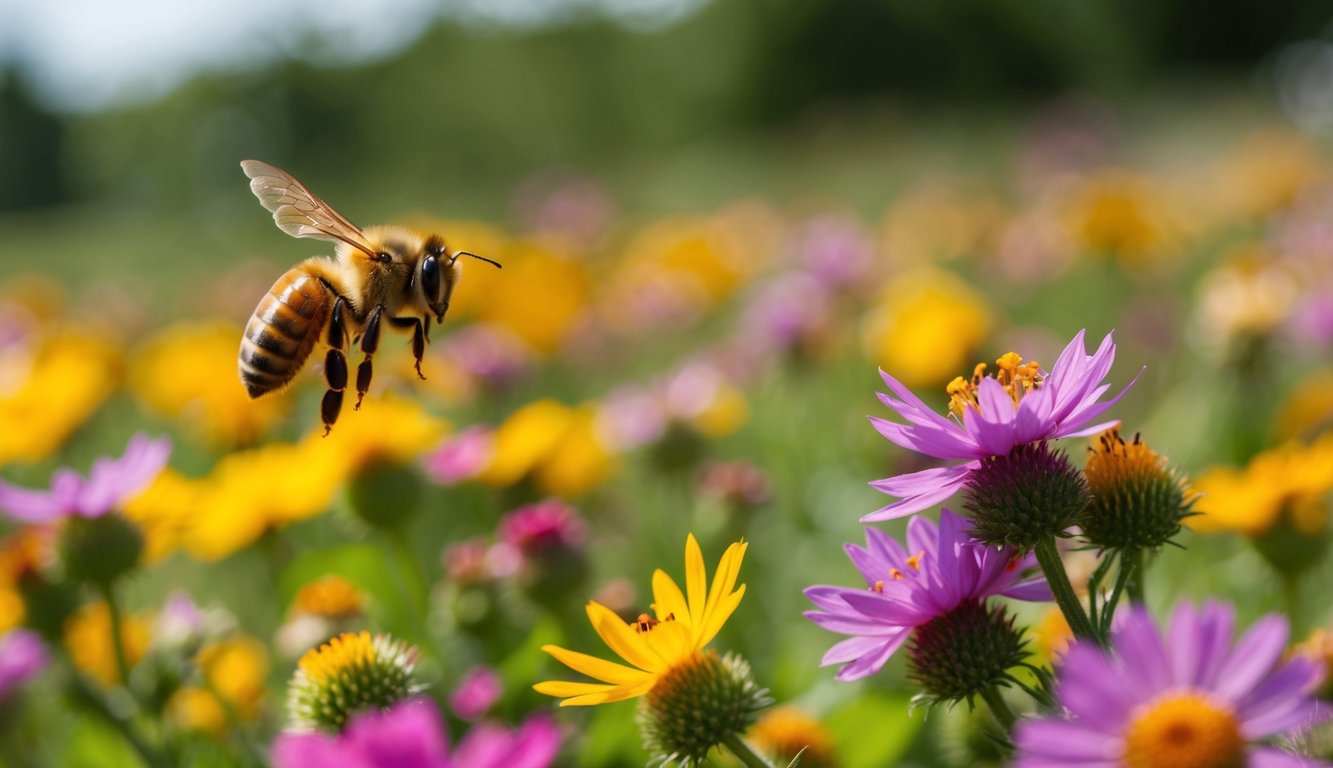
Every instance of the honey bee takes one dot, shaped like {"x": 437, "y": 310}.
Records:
{"x": 376, "y": 274}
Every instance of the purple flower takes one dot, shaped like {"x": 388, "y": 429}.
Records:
{"x": 23, "y": 656}
{"x": 108, "y": 485}
{"x": 411, "y": 735}
{"x": 787, "y": 309}
{"x": 478, "y": 692}
{"x": 993, "y": 416}
{"x": 490, "y": 353}
{"x": 941, "y": 568}
{"x": 836, "y": 250}
{"x": 1186, "y": 698}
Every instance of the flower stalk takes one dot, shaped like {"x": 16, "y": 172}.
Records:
{"x": 744, "y": 752}
{"x": 1065, "y": 597}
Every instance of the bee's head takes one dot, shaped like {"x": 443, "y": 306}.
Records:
{"x": 439, "y": 273}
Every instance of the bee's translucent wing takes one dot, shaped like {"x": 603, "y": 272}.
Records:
{"x": 298, "y": 211}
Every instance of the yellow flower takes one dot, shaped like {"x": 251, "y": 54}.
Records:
{"x": 557, "y": 445}
{"x": 62, "y": 383}
{"x": 939, "y": 222}
{"x": 1309, "y": 408}
{"x": 165, "y": 511}
{"x": 88, "y": 638}
{"x": 1293, "y": 478}
{"x": 580, "y": 460}
{"x": 538, "y": 298}
{"x": 926, "y": 325}
{"x": 387, "y": 428}
{"x": 653, "y": 647}
{"x": 188, "y": 372}
{"x": 331, "y": 596}
{"x": 1249, "y": 292}
{"x": 785, "y": 732}
{"x": 1268, "y": 170}
{"x": 1121, "y": 214}
{"x": 235, "y": 669}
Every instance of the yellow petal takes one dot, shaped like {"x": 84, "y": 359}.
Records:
{"x": 671, "y": 640}
{"x": 667, "y": 598}
{"x": 704, "y": 635}
{"x": 620, "y": 638}
{"x": 696, "y": 576}
{"x": 728, "y": 570}
{"x": 619, "y": 693}
{"x": 565, "y": 688}
{"x": 600, "y": 669}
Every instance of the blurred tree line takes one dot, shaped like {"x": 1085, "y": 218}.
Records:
{"x": 462, "y": 104}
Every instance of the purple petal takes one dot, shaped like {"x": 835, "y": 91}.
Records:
{"x": 410, "y": 735}
{"x": 1139, "y": 642}
{"x": 112, "y": 481}
{"x": 872, "y": 662}
{"x": 1065, "y": 743}
{"x": 25, "y": 506}
{"x": 1254, "y": 656}
{"x": 918, "y": 490}
{"x": 1282, "y": 701}
{"x": 314, "y": 750}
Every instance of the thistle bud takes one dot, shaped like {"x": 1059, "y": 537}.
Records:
{"x": 959, "y": 654}
{"x": 1025, "y": 496}
{"x": 1137, "y": 501}
{"x": 700, "y": 703}
{"x": 100, "y": 549}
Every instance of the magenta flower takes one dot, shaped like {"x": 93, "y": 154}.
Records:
{"x": 411, "y": 735}
{"x": 945, "y": 568}
{"x": 461, "y": 457}
{"x": 1188, "y": 698}
{"x": 1001, "y": 414}
{"x": 535, "y": 528}
{"x": 110, "y": 483}
{"x": 476, "y": 694}
{"x": 23, "y": 656}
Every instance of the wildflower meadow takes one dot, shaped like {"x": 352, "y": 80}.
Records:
{"x": 940, "y": 440}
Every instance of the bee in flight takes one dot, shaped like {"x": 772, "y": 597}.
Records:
{"x": 378, "y": 275}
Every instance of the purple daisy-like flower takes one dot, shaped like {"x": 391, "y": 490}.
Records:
{"x": 1186, "y": 698}
{"x": 110, "y": 483}
{"x": 23, "y": 656}
{"x": 411, "y": 735}
{"x": 941, "y": 568}
{"x": 992, "y": 416}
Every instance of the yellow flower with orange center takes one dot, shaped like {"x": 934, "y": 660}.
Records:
{"x": 1124, "y": 215}
{"x": 652, "y": 647}
{"x": 353, "y": 672}
{"x": 188, "y": 373}
{"x": 925, "y": 325}
{"x": 88, "y": 638}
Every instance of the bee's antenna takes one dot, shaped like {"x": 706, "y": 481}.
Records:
{"x": 492, "y": 262}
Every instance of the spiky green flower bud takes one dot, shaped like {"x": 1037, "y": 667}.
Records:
{"x": 697, "y": 705}
{"x": 1137, "y": 501}
{"x": 100, "y": 549}
{"x": 957, "y": 655}
{"x": 1025, "y": 496}
{"x": 348, "y": 674}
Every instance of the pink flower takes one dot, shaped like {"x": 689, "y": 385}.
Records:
{"x": 22, "y": 657}
{"x": 1060, "y": 404}
{"x": 110, "y": 483}
{"x": 461, "y": 457}
{"x": 477, "y": 693}
{"x": 548, "y": 524}
{"x": 411, "y": 735}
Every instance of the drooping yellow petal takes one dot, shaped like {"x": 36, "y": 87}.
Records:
{"x": 618, "y": 693}
{"x": 696, "y": 577}
{"x": 565, "y": 688}
{"x": 620, "y": 638}
{"x": 667, "y": 598}
{"x": 600, "y": 669}
{"x": 724, "y": 579}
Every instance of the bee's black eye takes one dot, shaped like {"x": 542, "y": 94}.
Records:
{"x": 430, "y": 277}
{"x": 383, "y": 257}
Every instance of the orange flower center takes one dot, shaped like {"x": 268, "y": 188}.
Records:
{"x": 1017, "y": 377}
{"x": 1184, "y": 730}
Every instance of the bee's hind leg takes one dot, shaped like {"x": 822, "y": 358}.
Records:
{"x": 370, "y": 341}
{"x": 335, "y": 368}
{"x": 418, "y": 338}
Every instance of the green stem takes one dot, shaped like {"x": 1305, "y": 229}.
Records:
{"x": 1291, "y": 597}
{"x": 999, "y": 707}
{"x": 744, "y": 752}
{"x": 1125, "y": 576}
{"x": 1132, "y": 561}
{"x": 123, "y": 725}
{"x": 1065, "y": 597}
{"x": 117, "y": 635}
{"x": 1095, "y": 585}
{"x": 413, "y": 574}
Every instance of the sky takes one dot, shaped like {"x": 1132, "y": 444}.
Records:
{"x": 88, "y": 54}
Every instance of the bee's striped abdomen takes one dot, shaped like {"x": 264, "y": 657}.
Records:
{"x": 283, "y": 330}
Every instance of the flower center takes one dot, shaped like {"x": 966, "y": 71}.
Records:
{"x": 1017, "y": 377}
{"x": 1114, "y": 462}
{"x": 346, "y": 651}
{"x": 1184, "y": 730}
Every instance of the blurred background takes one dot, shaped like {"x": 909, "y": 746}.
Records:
{"x": 717, "y": 219}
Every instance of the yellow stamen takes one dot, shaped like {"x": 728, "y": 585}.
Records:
{"x": 344, "y": 651}
{"x": 895, "y": 574}
{"x": 1017, "y": 378}
{"x": 915, "y": 560}
{"x": 1184, "y": 730}
{"x": 879, "y": 587}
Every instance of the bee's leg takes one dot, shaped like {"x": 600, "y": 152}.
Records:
{"x": 335, "y": 367}
{"x": 370, "y": 341}
{"x": 418, "y": 338}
